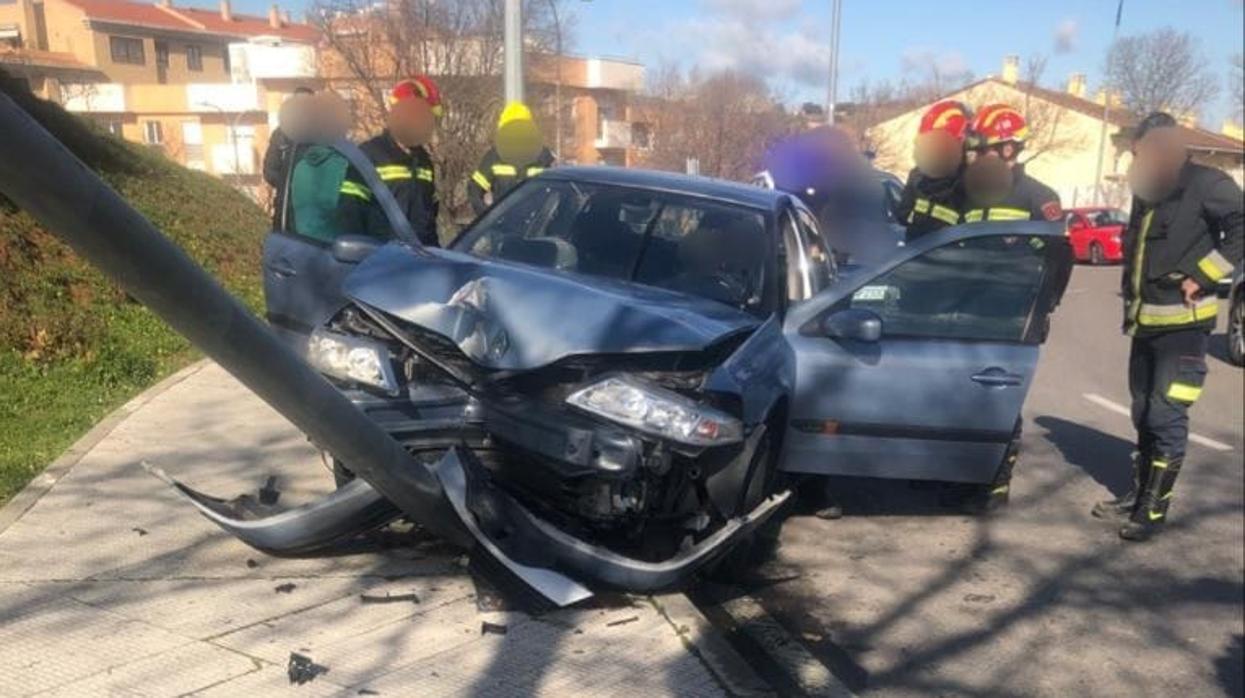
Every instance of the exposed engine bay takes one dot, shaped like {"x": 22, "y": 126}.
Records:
{"x": 645, "y": 490}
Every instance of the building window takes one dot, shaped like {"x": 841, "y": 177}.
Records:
{"x": 641, "y": 136}
{"x": 126, "y": 50}
{"x": 153, "y": 133}
{"x": 194, "y": 58}
{"x": 113, "y": 126}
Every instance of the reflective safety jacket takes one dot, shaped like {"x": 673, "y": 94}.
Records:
{"x": 929, "y": 203}
{"x": 1029, "y": 200}
{"x": 410, "y": 176}
{"x": 1195, "y": 233}
{"x": 494, "y": 177}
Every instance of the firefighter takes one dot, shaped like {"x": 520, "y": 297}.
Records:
{"x": 402, "y": 160}
{"x": 995, "y": 185}
{"x": 518, "y": 153}
{"x": 996, "y": 188}
{"x": 933, "y": 197}
{"x": 1184, "y": 235}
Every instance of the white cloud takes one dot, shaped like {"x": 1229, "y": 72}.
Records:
{"x": 732, "y": 43}
{"x": 1066, "y": 35}
{"x": 756, "y": 10}
{"x": 919, "y": 59}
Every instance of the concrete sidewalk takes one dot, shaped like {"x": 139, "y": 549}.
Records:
{"x": 110, "y": 584}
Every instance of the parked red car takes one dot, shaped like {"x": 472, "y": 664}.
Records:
{"x": 1095, "y": 233}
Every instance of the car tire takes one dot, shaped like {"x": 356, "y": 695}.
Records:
{"x": 1097, "y": 255}
{"x": 741, "y": 560}
{"x": 1236, "y": 329}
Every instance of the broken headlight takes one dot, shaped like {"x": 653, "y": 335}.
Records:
{"x": 352, "y": 358}
{"x": 657, "y": 411}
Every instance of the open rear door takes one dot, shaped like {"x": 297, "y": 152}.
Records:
{"x": 935, "y": 395}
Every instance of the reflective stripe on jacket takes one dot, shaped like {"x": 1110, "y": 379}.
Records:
{"x": 1195, "y": 233}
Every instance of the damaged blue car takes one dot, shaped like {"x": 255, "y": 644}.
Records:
{"x": 619, "y": 369}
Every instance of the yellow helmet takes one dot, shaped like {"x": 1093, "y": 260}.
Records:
{"x": 514, "y": 111}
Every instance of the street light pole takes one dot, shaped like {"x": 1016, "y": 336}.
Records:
{"x": 836, "y": 17}
{"x": 233, "y": 136}
{"x": 557, "y": 89}
{"x": 513, "y": 56}
{"x": 1106, "y": 109}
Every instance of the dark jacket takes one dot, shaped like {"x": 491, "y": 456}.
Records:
{"x": 410, "y": 176}
{"x": 279, "y": 162}
{"x": 930, "y": 203}
{"x": 496, "y": 177}
{"x": 1029, "y": 200}
{"x": 1194, "y": 233}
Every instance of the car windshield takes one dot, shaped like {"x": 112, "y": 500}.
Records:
{"x": 682, "y": 243}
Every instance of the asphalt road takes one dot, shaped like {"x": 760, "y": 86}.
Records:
{"x": 904, "y": 597}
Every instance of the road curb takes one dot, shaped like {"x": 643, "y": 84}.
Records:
{"x": 703, "y": 640}
{"x": 45, "y": 481}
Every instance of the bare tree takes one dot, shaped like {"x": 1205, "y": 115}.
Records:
{"x": 725, "y": 120}
{"x": 1161, "y": 70}
{"x": 368, "y": 46}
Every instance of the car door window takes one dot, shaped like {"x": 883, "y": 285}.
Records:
{"x": 981, "y": 289}
{"x": 820, "y": 257}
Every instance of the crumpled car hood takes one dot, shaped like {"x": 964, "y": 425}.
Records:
{"x": 507, "y": 316}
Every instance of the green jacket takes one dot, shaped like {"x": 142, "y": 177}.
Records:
{"x": 314, "y": 190}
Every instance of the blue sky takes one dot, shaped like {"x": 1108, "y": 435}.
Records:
{"x": 786, "y": 40}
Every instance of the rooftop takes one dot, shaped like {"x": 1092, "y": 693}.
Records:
{"x": 193, "y": 20}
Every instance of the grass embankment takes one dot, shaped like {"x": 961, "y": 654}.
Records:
{"x": 72, "y": 346}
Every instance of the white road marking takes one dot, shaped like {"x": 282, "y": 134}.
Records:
{"x": 813, "y": 678}
{"x": 1120, "y": 409}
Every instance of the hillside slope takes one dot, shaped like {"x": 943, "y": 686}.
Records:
{"x": 72, "y": 346}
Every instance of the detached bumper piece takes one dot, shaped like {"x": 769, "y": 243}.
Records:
{"x": 348, "y": 512}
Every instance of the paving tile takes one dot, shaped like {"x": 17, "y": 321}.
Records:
{"x": 173, "y": 673}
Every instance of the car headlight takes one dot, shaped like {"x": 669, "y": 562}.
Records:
{"x": 657, "y": 411}
{"x": 352, "y": 358}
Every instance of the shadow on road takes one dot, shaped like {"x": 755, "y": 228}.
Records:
{"x": 1104, "y": 457}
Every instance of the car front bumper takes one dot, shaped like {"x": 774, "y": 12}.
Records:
{"x": 560, "y": 566}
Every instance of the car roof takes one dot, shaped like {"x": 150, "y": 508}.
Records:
{"x": 705, "y": 187}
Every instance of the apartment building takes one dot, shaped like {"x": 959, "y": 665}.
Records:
{"x": 202, "y": 85}
{"x": 608, "y": 124}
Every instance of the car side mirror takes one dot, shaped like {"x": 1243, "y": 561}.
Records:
{"x": 853, "y": 323}
{"x": 352, "y": 249}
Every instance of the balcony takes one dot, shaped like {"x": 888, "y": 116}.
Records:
{"x": 98, "y": 97}
{"x": 614, "y": 134}
{"x": 259, "y": 61}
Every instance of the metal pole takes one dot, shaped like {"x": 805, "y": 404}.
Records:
{"x": 513, "y": 56}
{"x": 836, "y": 14}
{"x": 557, "y": 90}
{"x": 75, "y": 205}
{"x": 1099, "y": 189}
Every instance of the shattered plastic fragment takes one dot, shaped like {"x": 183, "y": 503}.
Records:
{"x": 285, "y": 588}
{"x": 487, "y": 628}
{"x": 302, "y": 670}
{"x": 388, "y": 598}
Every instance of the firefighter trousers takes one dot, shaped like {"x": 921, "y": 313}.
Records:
{"x": 1166, "y": 373}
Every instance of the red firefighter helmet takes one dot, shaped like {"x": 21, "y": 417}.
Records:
{"x": 949, "y": 116}
{"x": 418, "y": 87}
{"x": 998, "y": 123}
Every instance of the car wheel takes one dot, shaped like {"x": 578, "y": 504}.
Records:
{"x": 1097, "y": 256}
{"x": 736, "y": 565}
{"x": 1236, "y": 329}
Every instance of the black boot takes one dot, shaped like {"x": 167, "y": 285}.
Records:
{"x": 1122, "y": 507}
{"x": 1150, "y": 514}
